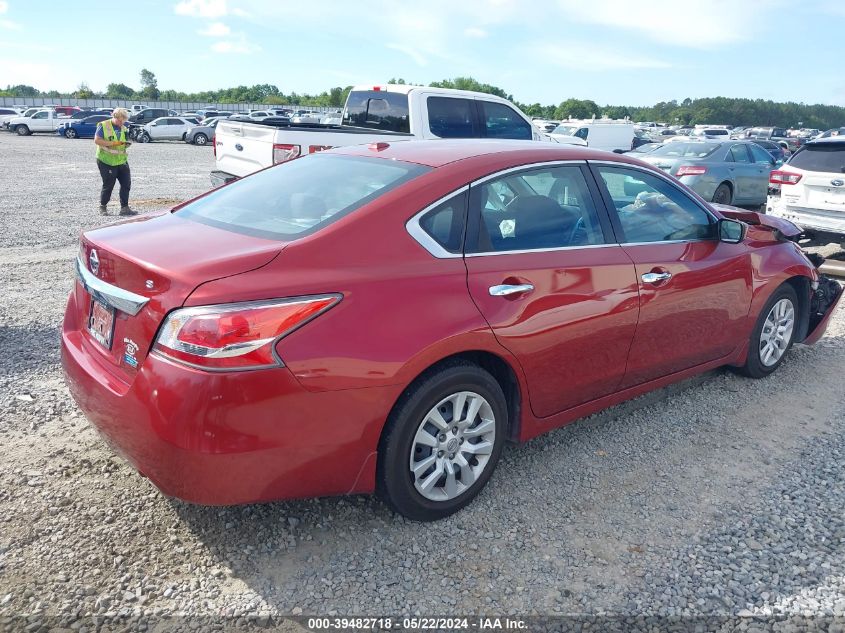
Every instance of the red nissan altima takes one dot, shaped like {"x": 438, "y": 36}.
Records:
{"x": 384, "y": 318}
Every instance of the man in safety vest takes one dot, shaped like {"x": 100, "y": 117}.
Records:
{"x": 110, "y": 139}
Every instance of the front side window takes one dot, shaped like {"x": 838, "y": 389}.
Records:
{"x": 583, "y": 133}
{"x": 40, "y": 115}
{"x": 451, "y": 118}
{"x": 650, "y": 209}
{"x": 301, "y": 196}
{"x": 759, "y": 155}
{"x": 542, "y": 208}
{"x": 502, "y": 121}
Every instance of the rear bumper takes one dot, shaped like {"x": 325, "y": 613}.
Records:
{"x": 811, "y": 220}
{"x": 232, "y": 437}
{"x": 221, "y": 178}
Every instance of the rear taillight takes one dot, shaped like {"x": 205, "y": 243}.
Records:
{"x": 237, "y": 335}
{"x": 283, "y": 152}
{"x": 691, "y": 170}
{"x": 783, "y": 178}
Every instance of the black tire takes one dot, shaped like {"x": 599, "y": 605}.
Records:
{"x": 754, "y": 366}
{"x": 143, "y": 137}
{"x": 22, "y": 130}
{"x": 70, "y": 133}
{"x": 395, "y": 481}
{"x": 723, "y": 194}
{"x": 200, "y": 139}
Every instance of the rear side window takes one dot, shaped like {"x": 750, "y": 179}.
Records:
{"x": 301, "y": 196}
{"x": 445, "y": 223}
{"x": 451, "y": 118}
{"x": 826, "y": 157}
{"x": 502, "y": 121}
{"x": 378, "y": 110}
{"x": 535, "y": 210}
{"x": 739, "y": 154}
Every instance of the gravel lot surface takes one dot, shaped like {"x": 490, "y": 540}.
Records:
{"x": 719, "y": 496}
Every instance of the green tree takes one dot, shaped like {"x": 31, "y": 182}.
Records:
{"x": 578, "y": 109}
{"x": 119, "y": 91}
{"x": 149, "y": 84}
{"x": 22, "y": 90}
{"x": 83, "y": 92}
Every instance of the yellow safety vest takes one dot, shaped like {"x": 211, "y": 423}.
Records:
{"x": 113, "y": 156}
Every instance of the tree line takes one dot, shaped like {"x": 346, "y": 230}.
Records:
{"x": 710, "y": 110}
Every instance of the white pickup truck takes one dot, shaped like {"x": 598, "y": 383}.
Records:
{"x": 372, "y": 114}
{"x": 38, "y": 121}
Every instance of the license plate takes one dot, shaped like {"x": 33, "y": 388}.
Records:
{"x": 101, "y": 323}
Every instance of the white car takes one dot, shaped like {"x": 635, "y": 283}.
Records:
{"x": 166, "y": 128}
{"x": 7, "y": 114}
{"x": 809, "y": 190}
{"x": 610, "y": 136}
{"x": 43, "y": 120}
{"x": 306, "y": 117}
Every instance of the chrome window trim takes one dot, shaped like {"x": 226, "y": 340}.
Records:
{"x": 548, "y": 163}
{"x": 416, "y": 231}
{"x": 542, "y": 250}
{"x": 106, "y": 293}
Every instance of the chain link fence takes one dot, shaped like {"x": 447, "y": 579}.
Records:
{"x": 179, "y": 106}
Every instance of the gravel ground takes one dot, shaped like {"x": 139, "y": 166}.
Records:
{"x": 721, "y": 496}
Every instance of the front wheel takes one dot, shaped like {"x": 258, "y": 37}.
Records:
{"x": 442, "y": 442}
{"x": 70, "y": 133}
{"x": 143, "y": 137}
{"x": 773, "y": 333}
{"x": 22, "y": 130}
{"x": 200, "y": 139}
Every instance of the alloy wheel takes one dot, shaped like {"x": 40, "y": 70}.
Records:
{"x": 452, "y": 446}
{"x": 777, "y": 332}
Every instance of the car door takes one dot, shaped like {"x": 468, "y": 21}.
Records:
{"x": 765, "y": 163}
{"x": 556, "y": 290}
{"x": 40, "y": 122}
{"x": 695, "y": 291}
{"x": 744, "y": 172}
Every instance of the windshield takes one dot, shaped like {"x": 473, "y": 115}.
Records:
{"x": 686, "y": 150}
{"x": 824, "y": 157}
{"x": 301, "y": 196}
{"x": 566, "y": 130}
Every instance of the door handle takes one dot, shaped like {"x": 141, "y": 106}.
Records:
{"x": 509, "y": 289}
{"x": 653, "y": 278}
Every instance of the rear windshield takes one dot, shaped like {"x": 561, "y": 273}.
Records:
{"x": 377, "y": 110}
{"x": 827, "y": 157}
{"x": 686, "y": 150}
{"x": 300, "y": 197}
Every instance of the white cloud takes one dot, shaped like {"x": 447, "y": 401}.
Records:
{"x": 587, "y": 57}
{"x": 4, "y": 6}
{"x": 215, "y": 29}
{"x": 201, "y": 8}
{"x": 474, "y": 31}
{"x": 691, "y": 24}
{"x": 239, "y": 46}
{"x": 8, "y": 24}
{"x": 414, "y": 54}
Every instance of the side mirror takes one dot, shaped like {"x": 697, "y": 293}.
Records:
{"x": 731, "y": 231}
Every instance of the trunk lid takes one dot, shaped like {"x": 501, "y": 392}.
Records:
{"x": 243, "y": 148}
{"x": 158, "y": 261}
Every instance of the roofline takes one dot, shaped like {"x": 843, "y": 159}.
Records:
{"x": 408, "y": 88}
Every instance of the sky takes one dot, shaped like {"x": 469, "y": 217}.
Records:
{"x": 618, "y": 52}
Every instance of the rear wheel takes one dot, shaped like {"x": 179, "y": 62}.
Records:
{"x": 723, "y": 194}
{"x": 442, "y": 442}
{"x": 200, "y": 139}
{"x": 773, "y": 333}
{"x": 22, "y": 130}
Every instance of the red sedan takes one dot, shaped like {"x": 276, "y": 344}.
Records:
{"x": 384, "y": 317}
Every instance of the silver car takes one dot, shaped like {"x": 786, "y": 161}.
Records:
{"x": 202, "y": 133}
{"x": 724, "y": 172}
